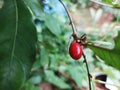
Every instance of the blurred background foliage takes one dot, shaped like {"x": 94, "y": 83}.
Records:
{"x": 54, "y": 68}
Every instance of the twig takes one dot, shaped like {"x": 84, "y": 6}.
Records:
{"x": 102, "y": 82}
{"x": 88, "y": 72}
{"x": 71, "y": 22}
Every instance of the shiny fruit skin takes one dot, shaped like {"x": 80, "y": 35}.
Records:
{"x": 75, "y": 50}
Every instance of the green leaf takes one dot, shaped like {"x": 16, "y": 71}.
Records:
{"x": 35, "y": 7}
{"x": 76, "y": 75}
{"x": 44, "y": 59}
{"x": 116, "y": 5}
{"x": 50, "y": 77}
{"x": 36, "y": 79}
{"x": 48, "y": 40}
{"x": 53, "y": 24}
{"x": 29, "y": 86}
{"x": 110, "y": 56}
{"x": 17, "y": 44}
{"x": 53, "y": 62}
{"x": 108, "y": 1}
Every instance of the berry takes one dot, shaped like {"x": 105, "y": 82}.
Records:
{"x": 75, "y": 50}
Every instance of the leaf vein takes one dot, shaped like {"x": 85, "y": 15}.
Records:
{"x": 16, "y": 30}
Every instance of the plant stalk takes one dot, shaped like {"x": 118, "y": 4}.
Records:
{"x": 88, "y": 72}
{"x": 70, "y": 19}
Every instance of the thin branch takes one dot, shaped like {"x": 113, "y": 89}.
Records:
{"x": 71, "y": 22}
{"x": 88, "y": 72}
{"x": 102, "y": 82}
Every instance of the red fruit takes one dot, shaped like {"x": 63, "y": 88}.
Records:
{"x": 75, "y": 50}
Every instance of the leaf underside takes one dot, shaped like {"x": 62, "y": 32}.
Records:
{"x": 110, "y": 56}
{"x": 17, "y": 44}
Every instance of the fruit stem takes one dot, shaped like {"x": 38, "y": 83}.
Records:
{"x": 71, "y": 21}
{"x": 88, "y": 72}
